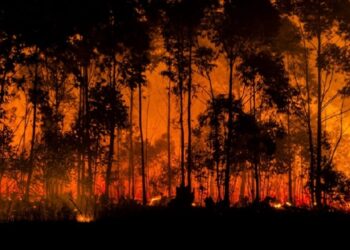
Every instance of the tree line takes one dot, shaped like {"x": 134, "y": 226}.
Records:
{"x": 79, "y": 67}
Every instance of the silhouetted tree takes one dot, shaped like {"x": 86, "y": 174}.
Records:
{"x": 318, "y": 18}
{"x": 232, "y": 34}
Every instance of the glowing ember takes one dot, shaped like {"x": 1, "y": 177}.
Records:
{"x": 277, "y": 205}
{"x": 288, "y": 204}
{"x": 84, "y": 218}
{"x": 155, "y": 200}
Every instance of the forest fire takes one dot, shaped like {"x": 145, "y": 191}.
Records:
{"x": 84, "y": 218}
{"x": 211, "y": 104}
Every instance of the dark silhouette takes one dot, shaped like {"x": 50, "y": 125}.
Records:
{"x": 259, "y": 87}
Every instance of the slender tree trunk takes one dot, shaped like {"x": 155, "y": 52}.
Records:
{"x": 216, "y": 139}
{"x": 290, "y": 167}
{"x": 80, "y": 152}
{"x": 143, "y": 172}
{"x": 87, "y": 132}
{"x": 119, "y": 181}
{"x": 218, "y": 182}
{"x": 111, "y": 133}
{"x": 211, "y": 183}
{"x": 319, "y": 122}
{"x": 169, "y": 139}
{"x": 268, "y": 185}
{"x": 256, "y": 155}
{"x": 252, "y": 180}
{"x": 110, "y": 160}
{"x": 310, "y": 132}
{"x": 26, "y": 122}
{"x": 147, "y": 169}
{"x": 2, "y": 94}
{"x": 243, "y": 184}
{"x": 229, "y": 136}
{"x": 182, "y": 132}
{"x": 95, "y": 161}
{"x": 131, "y": 148}
{"x": 32, "y": 145}
{"x": 211, "y": 86}
{"x": 189, "y": 126}
{"x": 257, "y": 181}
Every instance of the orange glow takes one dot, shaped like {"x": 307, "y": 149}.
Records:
{"x": 155, "y": 200}
{"x": 103, "y": 166}
{"x": 288, "y": 204}
{"x": 84, "y": 218}
{"x": 277, "y": 205}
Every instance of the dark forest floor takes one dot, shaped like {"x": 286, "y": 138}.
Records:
{"x": 151, "y": 226}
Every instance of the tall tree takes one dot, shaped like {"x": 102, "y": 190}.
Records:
{"x": 137, "y": 60}
{"x": 265, "y": 75}
{"x": 318, "y": 18}
{"x": 232, "y": 34}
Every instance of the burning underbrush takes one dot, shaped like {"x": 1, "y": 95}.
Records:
{"x": 18, "y": 210}
{"x": 94, "y": 210}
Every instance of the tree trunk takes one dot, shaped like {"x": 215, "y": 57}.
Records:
{"x": 268, "y": 185}
{"x": 80, "y": 152}
{"x": 143, "y": 172}
{"x": 319, "y": 123}
{"x": 26, "y": 122}
{"x": 218, "y": 183}
{"x": 290, "y": 167}
{"x": 211, "y": 183}
{"x": 243, "y": 183}
{"x": 168, "y": 139}
{"x": 31, "y": 154}
{"x": 257, "y": 181}
{"x": 182, "y": 132}
{"x": 189, "y": 126}
{"x": 119, "y": 181}
{"x": 2, "y": 94}
{"x": 147, "y": 169}
{"x": 256, "y": 155}
{"x": 89, "y": 181}
{"x": 252, "y": 186}
{"x": 216, "y": 139}
{"x": 111, "y": 132}
{"x": 131, "y": 148}
{"x": 309, "y": 129}
{"x": 110, "y": 160}
{"x": 229, "y": 136}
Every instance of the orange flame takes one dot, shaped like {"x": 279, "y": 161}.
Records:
{"x": 84, "y": 218}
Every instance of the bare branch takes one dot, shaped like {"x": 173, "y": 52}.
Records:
{"x": 326, "y": 89}
{"x": 243, "y": 92}
{"x": 330, "y": 101}
{"x": 340, "y": 134}
{"x": 335, "y": 115}
{"x": 303, "y": 101}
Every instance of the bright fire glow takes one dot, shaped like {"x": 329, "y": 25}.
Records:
{"x": 84, "y": 218}
{"x": 155, "y": 200}
{"x": 276, "y": 205}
